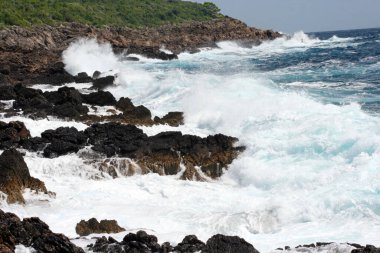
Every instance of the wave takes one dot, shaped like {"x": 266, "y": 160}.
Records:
{"x": 310, "y": 171}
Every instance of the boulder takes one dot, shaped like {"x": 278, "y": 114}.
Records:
{"x": 15, "y": 177}
{"x": 7, "y": 93}
{"x": 228, "y": 244}
{"x": 174, "y": 119}
{"x": 190, "y": 244}
{"x": 93, "y": 226}
{"x": 83, "y": 78}
{"x": 100, "y": 98}
{"x": 12, "y": 133}
{"x": 55, "y": 75}
{"x": 103, "y": 82}
{"x": 32, "y": 232}
{"x": 96, "y": 74}
{"x": 366, "y": 249}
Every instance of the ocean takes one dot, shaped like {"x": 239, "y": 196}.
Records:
{"x": 307, "y": 108}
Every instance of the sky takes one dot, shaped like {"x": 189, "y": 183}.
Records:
{"x": 303, "y": 15}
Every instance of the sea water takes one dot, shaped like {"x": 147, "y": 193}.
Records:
{"x": 306, "y": 106}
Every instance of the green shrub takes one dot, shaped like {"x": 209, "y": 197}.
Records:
{"x": 132, "y": 13}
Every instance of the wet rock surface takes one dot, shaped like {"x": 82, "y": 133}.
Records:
{"x": 69, "y": 103}
{"x": 163, "y": 153}
{"x": 12, "y": 133}
{"x": 15, "y": 177}
{"x": 32, "y": 232}
{"x": 142, "y": 242}
{"x": 93, "y": 226}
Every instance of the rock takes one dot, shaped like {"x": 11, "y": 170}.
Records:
{"x": 69, "y": 110}
{"x": 28, "y": 52}
{"x": 139, "y": 112}
{"x": 125, "y": 104}
{"x": 366, "y": 249}
{"x": 131, "y": 58}
{"x": 92, "y": 226}
{"x": 7, "y": 93}
{"x": 32, "y": 232}
{"x": 190, "y": 244}
{"x": 100, "y": 98}
{"x": 174, "y": 119}
{"x": 12, "y": 133}
{"x": 82, "y": 78}
{"x": 103, "y": 82}
{"x": 162, "y": 153}
{"x": 228, "y": 244}
{"x": 15, "y": 177}
{"x": 96, "y": 74}
{"x": 56, "y": 75}
{"x": 64, "y": 95}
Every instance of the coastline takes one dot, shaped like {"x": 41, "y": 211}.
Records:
{"x": 36, "y": 56}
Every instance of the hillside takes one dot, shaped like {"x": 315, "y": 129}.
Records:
{"x": 119, "y": 13}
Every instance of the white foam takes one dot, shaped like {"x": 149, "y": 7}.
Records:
{"x": 310, "y": 171}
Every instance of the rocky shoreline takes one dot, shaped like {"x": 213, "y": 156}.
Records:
{"x": 28, "y": 53}
{"x": 35, "y": 234}
{"x": 113, "y": 143}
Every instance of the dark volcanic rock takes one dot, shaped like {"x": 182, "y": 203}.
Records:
{"x": 190, "y": 244}
{"x": 55, "y": 75}
{"x": 96, "y": 74}
{"x": 82, "y": 78}
{"x": 142, "y": 242}
{"x": 32, "y": 232}
{"x": 100, "y": 98}
{"x": 15, "y": 177}
{"x": 7, "y": 93}
{"x": 162, "y": 153}
{"x": 103, "y": 82}
{"x": 366, "y": 249}
{"x": 228, "y": 244}
{"x": 12, "y": 133}
{"x": 93, "y": 226}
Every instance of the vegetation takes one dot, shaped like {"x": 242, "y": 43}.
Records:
{"x": 132, "y": 13}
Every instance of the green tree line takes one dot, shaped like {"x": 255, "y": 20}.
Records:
{"x": 132, "y": 13}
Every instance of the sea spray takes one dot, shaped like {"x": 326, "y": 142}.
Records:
{"x": 311, "y": 168}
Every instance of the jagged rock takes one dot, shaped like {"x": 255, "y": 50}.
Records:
{"x": 69, "y": 110}
{"x": 101, "y": 98}
{"x": 32, "y": 232}
{"x": 12, "y": 133}
{"x": 7, "y": 93}
{"x": 142, "y": 242}
{"x": 172, "y": 119}
{"x": 92, "y": 226}
{"x": 125, "y": 104}
{"x": 55, "y": 75}
{"x": 82, "y": 78}
{"x": 190, "y": 244}
{"x": 103, "y": 82}
{"x": 15, "y": 177}
{"x": 366, "y": 249}
{"x": 162, "y": 153}
{"x": 228, "y": 244}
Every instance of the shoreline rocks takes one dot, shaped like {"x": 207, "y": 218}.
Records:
{"x": 32, "y": 232}
{"x": 128, "y": 149}
{"x": 28, "y": 54}
{"x": 70, "y": 103}
{"x": 93, "y": 226}
{"x": 15, "y": 177}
